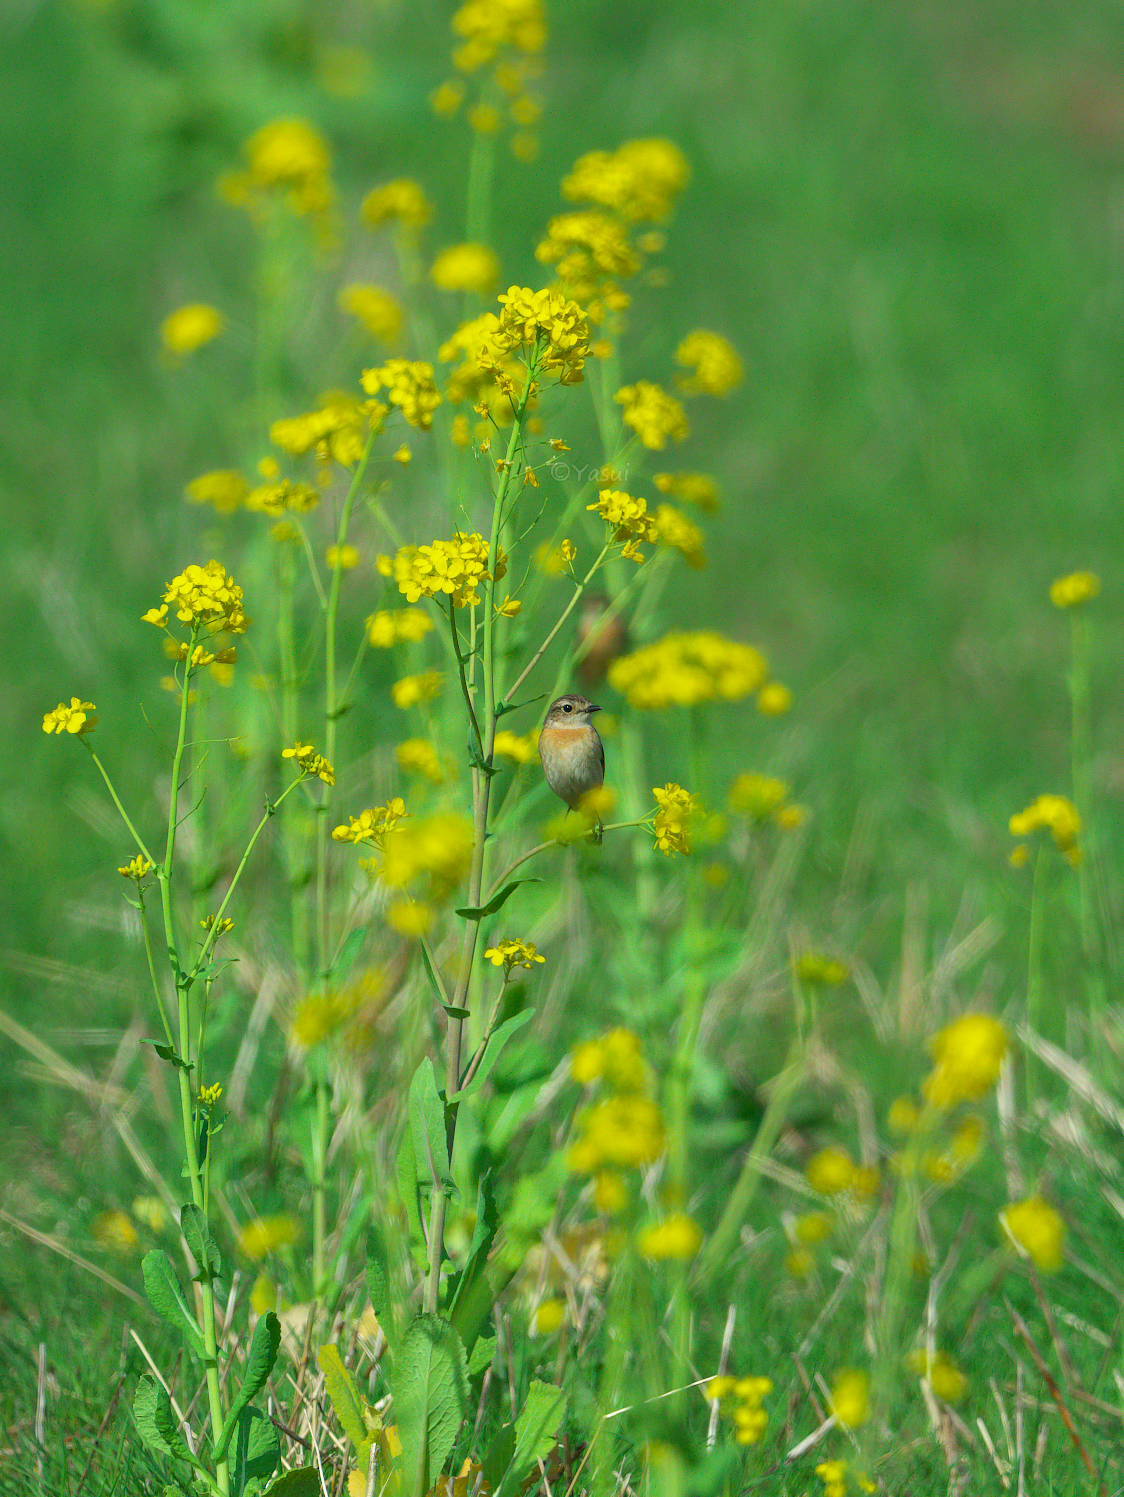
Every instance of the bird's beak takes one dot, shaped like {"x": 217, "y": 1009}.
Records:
{"x": 593, "y": 708}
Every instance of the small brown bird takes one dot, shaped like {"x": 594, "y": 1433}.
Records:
{"x": 600, "y": 639}
{"x": 570, "y": 747}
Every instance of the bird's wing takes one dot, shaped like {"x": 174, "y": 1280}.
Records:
{"x": 601, "y": 756}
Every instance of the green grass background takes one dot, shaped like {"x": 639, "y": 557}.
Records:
{"x": 907, "y": 216}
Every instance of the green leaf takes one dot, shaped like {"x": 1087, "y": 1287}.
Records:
{"x": 408, "y": 1190}
{"x": 156, "y": 1424}
{"x": 503, "y": 708}
{"x": 165, "y": 1052}
{"x": 499, "y": 1039}
{"x": 426, "y": 1112}
{"x": 346, "y": 1399}
{"x": 167, "y": 1298}
{"x": 349, "y": 955}
{"x": 430, "y": 1387}
{"x": 536, "y": 1431}
{"x": 482, "y": 1355}
{"x": 257, "y": 1449}
{"x": 378, "y": 1284}
{"x": 497, "y": 900}
{"x": 201, "y": 1240}
{"x": 259, "y": 1364}
{"x": 301, "y": 1481}
{"x": 475, "y": 1293}
{"x": 456, "y": 1013}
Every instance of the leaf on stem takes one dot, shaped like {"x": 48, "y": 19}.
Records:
{"x": 156, "y": 1423}
{"x": 430, "y": 1386}
{"x": 259, "y": 1364}
{"x": 497, "y": 901}
{"x": 167, "y": 1298}
{"x": 492, "y": 1049}
{"x": 201, "y": 1240}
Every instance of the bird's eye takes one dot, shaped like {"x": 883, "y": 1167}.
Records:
{"x": 567, "y": 706}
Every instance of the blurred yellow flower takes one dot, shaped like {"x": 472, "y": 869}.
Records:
{"x": 1075, "y": 589}
{"x": 615, "y": 1057}
{"x": 945, "y": 1378}
{"x": 678, "y": 1236}
{"x": 419, "y": 756}
{"x": 831, "y": 1171}
{"x": 402, "y": 201}
{"x": 344, "y": 557}
{"x": 1056, "y": 814}
{"x": 655, "y": 416}
{"x": 821, "y": 970}
{"x": 685, "y": 669}
{"x": 413, "y": 691}
{"x": 115, "y": 1231}
{"x": 190, "y": 328}
{"x": 225, "y": 490}
{"x": 640, "y": 180}
{"x": 774, "y": 699}
{"x": 1038, "y": 1231}
{"x": 376, "y": 309}
{"x": 151, "y": 1212}
{"x": 395, "y": 626}
{"x": 522, "y": 747}
{"x": 550, "y": 1317}
{"x": 969, "y": 1055}
{"x": 712, "y": 363}
{"x": 467, "y": 267}
{"x": 850, "y": 1397}
{"x": 263, "y": 1235}
{"x": 813, "y": 1227}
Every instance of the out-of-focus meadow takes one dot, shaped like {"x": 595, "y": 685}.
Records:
{"x": 908, "y": 220}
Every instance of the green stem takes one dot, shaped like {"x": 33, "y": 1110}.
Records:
{"x": 565, "y": 614}
{"x": 1034, "y": 1011}
{"x": 116, "y": 799}
{"x": 616, "y": 826}
{"x": 295, "y": 823}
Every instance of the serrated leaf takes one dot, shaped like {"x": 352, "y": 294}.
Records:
{"x": 301, "y": 1481}
{"x": 167, "y": 1298}
{"x": 156, "y": 1423}
{"x": 536, "y": 1431}
{"x": 257, "y": 1449}
{"x": 430, "y": 1387}
{"x": 497, "y": 901}
{"x": 345, "y": 1396}
{"x": 492, "y": 1053}
{"x": 201, "y": 1240}
{"x": 259, "y": 1364}
{"x": 426, "y": 1112}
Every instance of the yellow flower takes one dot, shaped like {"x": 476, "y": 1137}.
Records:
{"x": 1056, "y": 814}
{"x": 412, "y": 691}
{"x": 403, "y": 454}
{"x": 210, "y": 1096}
{"x": 409, "y": 385}
{"x": 310, "y": 763}
{"x": 800, "y": 1263}
{"x": 903, "y": 1116}
{"x": 1075, "y": 589}
{"x": 850, "y": 1397}
{"x": 487, "y": 28}
{"x": 318, "y": 1016}
{"x": 391, "y": 627}
{"x": 225, "y": 489}
{"x": 370, "y": 827}
{"x": 376, "y": 309}
{"x": 437, "y": 846}
{"x": 641, "y": 180}
{"x": 624, "y": 1131}
{"x": 591, "y": 251}
{"x": 411, "y": 918}
{"x": 610, "y": 1193}
{"x": 190, "y": 328}
{"x": 151, "y": 1212}
{"x": 522, "y": 747}
{"x": 699, "y": 489}
{"x": 344, "y": 557}
{"x": 969, "y": 1055}
{"x": 616, "y": 1058}
{"x": 466, "y": 267}
{"x": 446, "y": 99}
{"x": 655, "y": 416}
{"x": 419, "y": 756}
{"x": 263, "y": 1296}
{"x": 76, "y": 718}
{"x": 678, "y": 810}
{"x": 831, "y": 1171}
{"x": 544, "y": 322}
{"x": 674, "y": 529}
{"x": 758, "y": 795}
{"x": 550, "y": 1317}
{"x": 267, "y": 1234}
{"x": 677, "y": 1236}
{"x": 115, "y": 1230}
{"x": 834, "y": 1474}
{"x": 712, "y": 362}
{"x": 454, "y": 569}
{"x": 686, "y": 669}
{"x": 774, "y": 699}
{"x": 813, "y": 1227}
{"x": 402, "y": 201}
{"x": 513, "y": 953}
{"x": 292, "y": 155}
{"x": 628, "y": 517}
{"x": 945, "y": 1378}
{"x": 207, "y": 597}
{"x": 821, "y": 970}
{"x": 1037, "y": 1230}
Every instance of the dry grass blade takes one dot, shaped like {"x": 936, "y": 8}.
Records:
{"x": 1056, "y": 1394}
{"x": 56, "y": 1246}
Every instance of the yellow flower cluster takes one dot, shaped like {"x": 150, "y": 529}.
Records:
{"x": 263, "y": 1235}
{"x": 677, "y": 811}
{"x": 508, "y": 37}
{"x": 225, "y": 490}
{"x": 221, "y": 927}
{"x": 414, "y": 691}
{"x": 616, "y": 1058}
{"x": 490, "y": 27}
{"x": 402, "y": 201}
{"x": 418, "y": 756}
{"x": 337, "y": 431}
{"x": 820, "y": 970}
{"x": 283, "y": 496}
{"x": 713, "y": 364}
{"x": 945, "y": 1378}
{"x": 834, "y": 1474}
{"x": 115, "y": 1230}
{"x": 425, "y": 859}
{"x": 310, "y": 763}
{"x": 681, "y": 534}
{"x": 969, "y": 1055}
{"x": 850, "y": 1397}
{"x": 1038, "y": 1231}
{"x": 764, "y": 798}
{"x": 395, "y": 626}
{"x": 514, "y": 953}
{"x": 1055, "y": 814}
{"x": 375, "y": 309}
{"x": 370, "y": 827}
{"x": 191, "y": 327}
{"x": 685, "y": 669}
{"x": 485, "y": 375}
{"x": 640, "y": 181}
{"x": 699, "y": 489}
{"x": 741, "y": 1400}
{"x": 466, "y": 267}
{"x": 453, "y": 569}
{"x": 545, "y": 323}
{"x": 591, "y": 251}
{"x": 655, "y": 416}
{"x": 210, "y": 1096}
{"x": 136, "y": 868}
{"x": 1075, "y": 589}
{"x": 206, "y": 597}
{"x": 409, "y": 385}
{"x": 631, "y": 523}
{"x": 677, "y": 1236}
{"x": 74, "y": 717}
{"x": 522, "y": 747}
{"x": 289, "y": 158}
{"x": 321, "y": 1016}
{"x": 832, "y": 1172}
{"x": 623, "y": 1128}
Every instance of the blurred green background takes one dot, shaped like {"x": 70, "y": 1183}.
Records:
{"x": 909, "y": 217}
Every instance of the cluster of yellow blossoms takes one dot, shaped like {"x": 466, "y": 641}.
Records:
{"x": 310, "y": 763}
{"x": 75, "y": 716}
{"x": 623, "y": 1128}
{"x": 640, "y": 181}
{"x": 402, "y": 201}
{"x": 136, "y": 868}
{"x": 591, "y": 252}
{"x": 395, "y": 626}
{"x": 969, "y": 1054}
{"x": 699, "y": 489}
{"x": 945, "y": 1378}
{"x": 263, "y": 1235}
{"x": 206, "y": 597}
{"x": 370, "y": 827}
{"x": 190, "y": 328}
{"x": 1037, "y": 1231}
{"x": 225, "y": 489}
{"x": 351, "y": 1009}
{"x": 514, "y": 953}
{"x": 741, "y": 1400}
{"x": 409, "y": 385}
{"x": 1075, "y": 589}
{"x": 685, "y": 669}
{"x": 523, "y": 748}
{"x": 833, "y": 1172}
{"x": 764, "y": 798}
{"x": 677, "y": 813}
{"x": 655, "y": 416}
{"x": 454, "y": 569}
{"x": 289, "y": 161}
{"x": 713, "y": 364}
{"x": 629, "y": 518}
{"x": 543, "y": 323}
{"x": 834, "y": 1475}
{"x": 820, "y": 970}
{"x": 506, "y": 37}
{"x": 337, "y": 431}
{"x": 466, "y": 267}
{"x": 375, "y": 309}
{"x": 414, "y": 691}
{"x": 425, "y": 861}
{"x": 418, "y": 756}
{"x": 1055, "y": 814}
